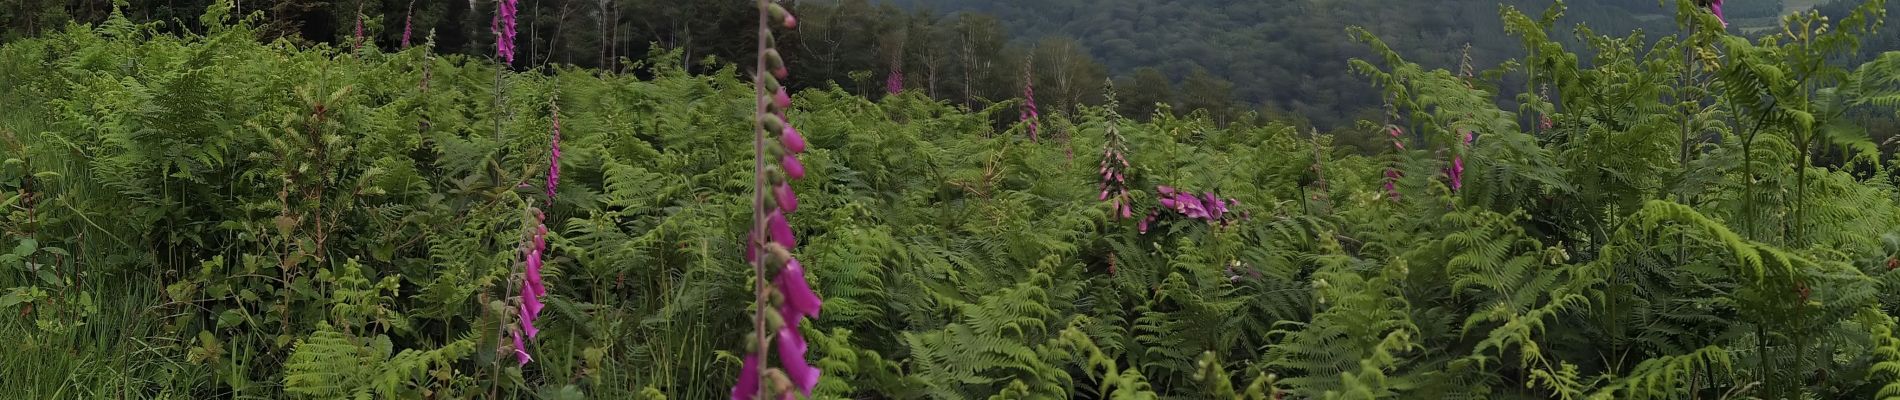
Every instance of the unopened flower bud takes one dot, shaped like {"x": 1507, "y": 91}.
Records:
{"x": 792, "y": 141}
{"x": 793, "y": 169}
{"x": 777, "y": 254}
{"x": 773, "y": 60}
{"x": 772, "y": 122}
{"x": 777, "y": 11}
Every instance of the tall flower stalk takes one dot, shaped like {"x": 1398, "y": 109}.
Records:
{"x": 894, "y": 83}
{"x": 1029, "y": 114}
{"x": 528, "y": 309}
{"x": 770, "y": 244}
{"x": 408, "y": 21}
{"x": 1393, "y": 174}
{"x": 1457, "y": 170}
{"x": 1114, "y": 167}
{"x": 356, "y": 40}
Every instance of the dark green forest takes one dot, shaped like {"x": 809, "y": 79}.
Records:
{"x": 1040, "y": 199}
{"x": 1258, "y": 60}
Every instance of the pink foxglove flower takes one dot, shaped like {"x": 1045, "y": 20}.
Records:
{"x": 894, "y": 82}
{"x": 1207, "y": 206}
{"x": 1715, "y": 6}
{"x": 1392, "y": 177}
{"x": 1114, "y": 170}
{"x": 770, "y": 244}
{"x": 532, "y": 287}
{"x": 521, "y": 351}
{"x": 1392, "y": 174}
{"x": 504, "y": 27}
{"x": 748, "y": 378}
{"x": 408, "y": 21}
{"x": 791, "y": 354}
{"x": 1029, "y": 114}
{"x": 1457, "y": 171}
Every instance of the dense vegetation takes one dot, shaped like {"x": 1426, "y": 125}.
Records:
{"x": 197, "y": 213}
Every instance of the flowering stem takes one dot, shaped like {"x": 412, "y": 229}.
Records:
{"x": 759, "y": 290}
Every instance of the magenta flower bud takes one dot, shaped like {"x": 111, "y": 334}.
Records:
{"x": 782, "y": 100}
{"x": 793, "y": 142}
{"x": 1127, "y": 211}
{"x": 786, "y": 199}
{"x": 791, "y": 22}
{"x": 793, "y": 169}
{"x": 1142, "y": 227}
{"x": 1104, "y": 195}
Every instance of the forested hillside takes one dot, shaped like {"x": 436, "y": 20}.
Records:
{"x": 219, "y": 206}
{"x": 1288, "y": 57}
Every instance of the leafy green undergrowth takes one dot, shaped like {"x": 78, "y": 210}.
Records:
{"x": 212, "y": 217}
